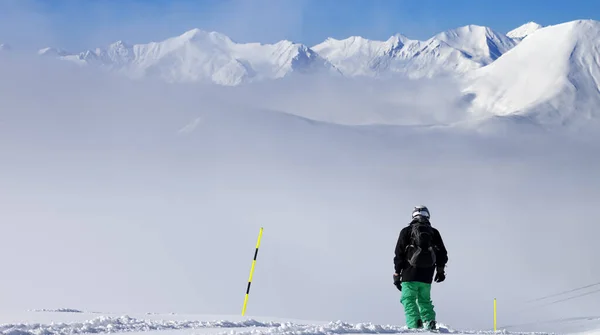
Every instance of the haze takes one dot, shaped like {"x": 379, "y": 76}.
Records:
{"x": 127, "y": 196}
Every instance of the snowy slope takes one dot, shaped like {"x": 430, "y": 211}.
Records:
{"x": 204, "y": 56}
{"x": 451, "y": 52}
{"x": 200, "y": 56}
{"x": 65, "y": 323}
{"x": 59, "y": 323}
{"x": 53, "y": 52}
{"x": 356, "y": 55}
{"x": 482, "y": 44}
{"x": 552, "y": 77}
{"x": 523, "y": 31}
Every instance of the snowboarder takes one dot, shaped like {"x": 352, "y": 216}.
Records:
{"x": 420, "y": 253}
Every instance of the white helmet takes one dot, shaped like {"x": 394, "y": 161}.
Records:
{"x": 421, "y": 211}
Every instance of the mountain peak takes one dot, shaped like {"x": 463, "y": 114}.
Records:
{"x": 120, "y": 45}
{"x": 562, "y": 81}
{"x": 199, "y": 34}
{"x": 49, "y": 51}
{"x": 481, "y": 43}
{"x": 524, "y": 30}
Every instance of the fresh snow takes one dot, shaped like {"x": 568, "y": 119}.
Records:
{"x": 156, "y": 324}
{"x": 203, "y": 56}
{"x": 552, "y": 77}
{"x": 452, "y": 52}
{"x": 523, "y": 31}
{"x": 54, "y": 323}
{"x": 357, "y": 55}
{"x": 53, "y": 52}
{"x": 480, "y": 44}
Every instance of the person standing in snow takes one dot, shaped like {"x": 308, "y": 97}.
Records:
{"x": 420, "y": 258}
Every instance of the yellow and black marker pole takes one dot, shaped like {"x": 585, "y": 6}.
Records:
{"x": 495, "y": 318}
{"x": 252, "y": 271}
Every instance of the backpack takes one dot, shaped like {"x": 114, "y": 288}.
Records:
{"x": 420, "y": 252}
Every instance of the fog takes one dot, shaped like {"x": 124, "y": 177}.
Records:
{"x": 136, "y": 196}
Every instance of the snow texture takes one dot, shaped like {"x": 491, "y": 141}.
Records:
{"x": 454, "y": 51}
{"x": 106, "y": 324}
{"x": 561, "y": 85}
{"x": 524, "y": 30}
{"x": 201, "y": 56}
{"x": 60, "y": 310}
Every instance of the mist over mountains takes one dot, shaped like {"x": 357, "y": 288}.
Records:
{"x": 534, "y": 76}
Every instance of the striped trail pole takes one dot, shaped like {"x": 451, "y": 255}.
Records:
{"x": 252, "y": 271}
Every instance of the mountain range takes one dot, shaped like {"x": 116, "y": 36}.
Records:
{"x": 202, "y": 56}
{"x": 535, "y": 74}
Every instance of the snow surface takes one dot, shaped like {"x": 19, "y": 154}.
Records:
{"x": 481, "y": 44}
{"x": 198, "y": 55}
{"x": 156, "y": 324}
{"x": 552, "y": 77}
{"x": 201, "y": 56}
{"x": 523, "y": 31}
{"x": 65, "y": 323}
{"x": 453, "y": 52}
{"x": 53, "y": 52}
{"x": 357, "y": 55}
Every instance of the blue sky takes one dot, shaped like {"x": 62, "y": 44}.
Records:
{"x": 82, "y": 24}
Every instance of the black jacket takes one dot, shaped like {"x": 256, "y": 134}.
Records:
{"x": 413, "y": 274}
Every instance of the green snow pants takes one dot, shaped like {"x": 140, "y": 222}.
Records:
{"x": 416, "y": 299}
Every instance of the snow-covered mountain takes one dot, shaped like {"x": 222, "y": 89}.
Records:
{"x": 454, "y": 51}
{"x": 357, "y": 55}
{"x": 524, "y": 31}
{"x": 53, "y": 52}
{"x": 552, "y": 77}
{"x": 199, "y": 56}
{"x": 544, "y": 75}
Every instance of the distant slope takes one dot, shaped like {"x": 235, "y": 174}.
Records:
{"x": 482, "y": 44}
{"x": 355, "y": 55}
{"x": 452, "y": 52}
{"x": 200, "y": 56}
{"x": 552, "y": 77}
{"x": 523, "y": 31}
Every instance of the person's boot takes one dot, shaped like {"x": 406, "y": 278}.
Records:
{"x": 419, "y": 324}
{"x": 431, "y": 325}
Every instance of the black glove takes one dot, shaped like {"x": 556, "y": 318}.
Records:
{"x": 397, "y": 282}
{"x": 440, "y": 276}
